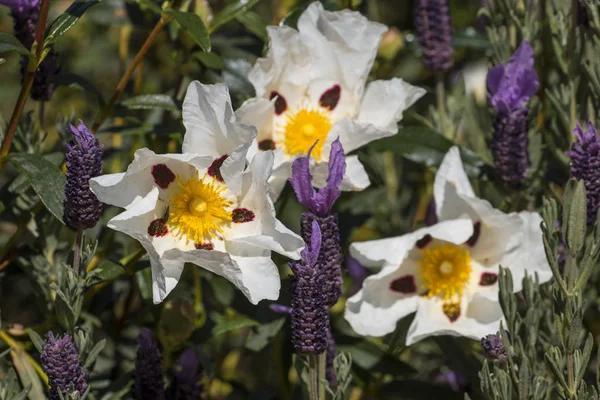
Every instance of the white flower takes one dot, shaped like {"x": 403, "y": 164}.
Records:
{"x": 447, "y": 272}
{"x": 311, "y": 86}
{"x": 203, "y": 206}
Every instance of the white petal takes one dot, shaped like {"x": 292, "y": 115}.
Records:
{"x": 343, "y": 41}
{"x": 393, "y": 251}
{"x": 258, "y": 112}
{"x": 478, "y": 318}
{"x": 354, "y": 134}
{"x": 451, "y": 176}
{"x": 282, "y": 171}
{"x": 385, "y": 101}
{"x": 211, "y": 127}
{"x": 355, "y": 178}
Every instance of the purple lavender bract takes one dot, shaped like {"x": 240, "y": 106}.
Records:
{"x": 84, "y": 161}
{"x": 493, "y": 347}
{"x": 585, "y": 165}
{"x": 433, "y": 24}
{"x": 148, "y": 374}
{"x": 61, "y": 363}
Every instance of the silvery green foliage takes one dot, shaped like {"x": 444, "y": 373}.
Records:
{"x": 343, "y": 371}
{"x": 10, "y": 388}
{"x": 550, "y": 326}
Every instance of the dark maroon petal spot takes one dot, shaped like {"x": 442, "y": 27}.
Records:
{"x": 424, "y": 241}
{"x": 204, "y": 246}
{"x": 240, "y": 215}
{"x": 266, "y": 144}
{"x": 158, "y": 228}
{"x": 215, "y": 168}
{"x": 163, "y": 176}
{"x": 280, "y": 103}
{"x": 331, "y": 97}
{"x": 488, "y": 279}
{"x": 475, "y": 236}
{"x": 452, "y": 311}
{"x": 404, "y": 285}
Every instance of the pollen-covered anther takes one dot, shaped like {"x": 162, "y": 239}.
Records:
{"x": 404, "y": 285}
{"x": 452, "y": 311}
{"x": 266, "y": 144}
{"x": 331, "y": 97}
{"x": 158, "y": 228}
{"x": 240, "y": 215}
{"x": 488, "y": 279}
{"x": 204, "y": 246}
{"x": 163, "y": 176}
{"x": 215, "y": 168}
{"x": 280, "y": 103}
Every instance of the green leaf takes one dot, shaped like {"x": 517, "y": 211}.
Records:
{"x": 230, "y": 325}
{"x": 79, "y": 82}
{"x": 93, "y": 354}
{"x": 45, "y": 178}
{"x": 144, "y": 281}
{"x": 106, "y": 271}
{"x": 254, "y": 23}
{"x": 64, "y": 311}
{"x": 66, "y": 20}
{"x": 230, "y": 12}
{"x": 575, "y": 217}
{"x": 151, "y": 101}
{"x": 36, "y": 339}
{"x": 262, "y": 335}
{"x": 11, "y": 43}
{"x": 192, "y": 24}
{"x": 27, "y": 374}
{"x": 210, "y": 60}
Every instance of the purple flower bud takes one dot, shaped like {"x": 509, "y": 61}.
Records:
{"x": 148, "y": 374}
{"x": 61, "y": 363}
{"x": 280, "y": 308}
{"x": 433, "y": 24}
{"x": 585, "y": 165}
{"x": 509, "y": 146}
{"x": 322, "y": 201}
{"x": 186, "y": 381}
{"x": 493, "y": 347}
{"x": 310, "y": 319}
{"x": 84, "y": 161}
{"x": 514, "y": 84}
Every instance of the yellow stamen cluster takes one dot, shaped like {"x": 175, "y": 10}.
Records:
{"x": 445, "y": 270}
{"x": 198, "y": 211}
{"x": 302, "y": 129}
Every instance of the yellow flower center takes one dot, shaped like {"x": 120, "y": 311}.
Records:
{"x": 445, "y": 270}
{"x": 303, "y": 129}
{"x": 198, "y": 211}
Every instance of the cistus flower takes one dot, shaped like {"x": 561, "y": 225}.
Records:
{"x": 511, "y": 86}
{"x": 433, "y": 25}
{"x": 493, "y": 346}
{"x": 203, "y": 206}
{"x": 320, "y": 203}
{"x": 585, "y": 165}
{"x": 312, "y": 86}
{"x": 148, "y": 375}
{"x": 310, "y": 317}
{"x": 186, "y": 380}
{"x": 447, "y": 272}
{"x": 61, "y": 363}
{"x": 25, "y": 15}
{"x": 84, "y": 161}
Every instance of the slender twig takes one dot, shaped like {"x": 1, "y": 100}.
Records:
{"x": 27, "y": 82}
{"x": 77, "y": 252}
{"x": 165, "y": 19}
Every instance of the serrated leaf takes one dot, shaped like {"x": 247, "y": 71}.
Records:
{"x": 254, "y": 23}
{"x": 11, "y": 43}
{"x": 66, "y": 20}
{"x": 151, "y": 101}
{"x": 210, "y": 60}
{"x": 36, "y": 339}
{"x": 230, "y": 12}
{"x": 93, "y": 354}
{"x": 45, "y": 178}
{"x": 106, "y": 271}
{"x": 262, "y": 335}
{"x": 27, "y": 374}
{"x": 229, "y": 325}
{"x": 192, "y": 24}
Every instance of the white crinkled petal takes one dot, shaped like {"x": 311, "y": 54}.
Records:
{"x": 479, "y": 317}
{"x": 354, "y": 134}
{"x": 343, "y": 44}
{"x": 282, "y": 171}
{"x": 258, "y": 112}
{"x": 450, "y": 174}
{"x": 355, "y": 178}
{"x": 385, "y": 101}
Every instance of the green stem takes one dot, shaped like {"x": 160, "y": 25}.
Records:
{"x": 322, "y": 360}
{"x": 313, "y": 378}
{"x": 77, "y": 252}
{"x": 441, "y": 102}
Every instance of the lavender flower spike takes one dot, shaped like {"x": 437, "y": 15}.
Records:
{"x": 514, "y": 84}
{"x": 84, "y": 161}
{"x": 310, "y": 319}
{"x": 61, "y": 363}
{"x": 148, "y": 382}
{"x": 185, "y": 385}
{"x": 585, "y": 165}
{"x": 322, "y": 201}
{"x": 434, "y": 29}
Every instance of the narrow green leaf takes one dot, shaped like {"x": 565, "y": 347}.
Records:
{"x": 36, "y": 339}
{"x": 66, "y": 20}
{"x": 230, "y": 12}
{"x": 11, "y": 43}
{"x": 106, "y": 271}
{"x": 79, "y": 82}
{"x": 151, "y": 101}
{"x": 210, "y": 60}
{"x": 576, "y": 218}
{"x": 144, "y": 281}
{"x": 262, "y": 335}
{"x": 27, "y": 374}
{"x": 45, "y": 178}
{"x": 524, "y": 380}
{"x": 254, "y": 23}
{"x": 93, "y": 354}
{"x": 192, "y": 24}
{"x": 226, "y": 326}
